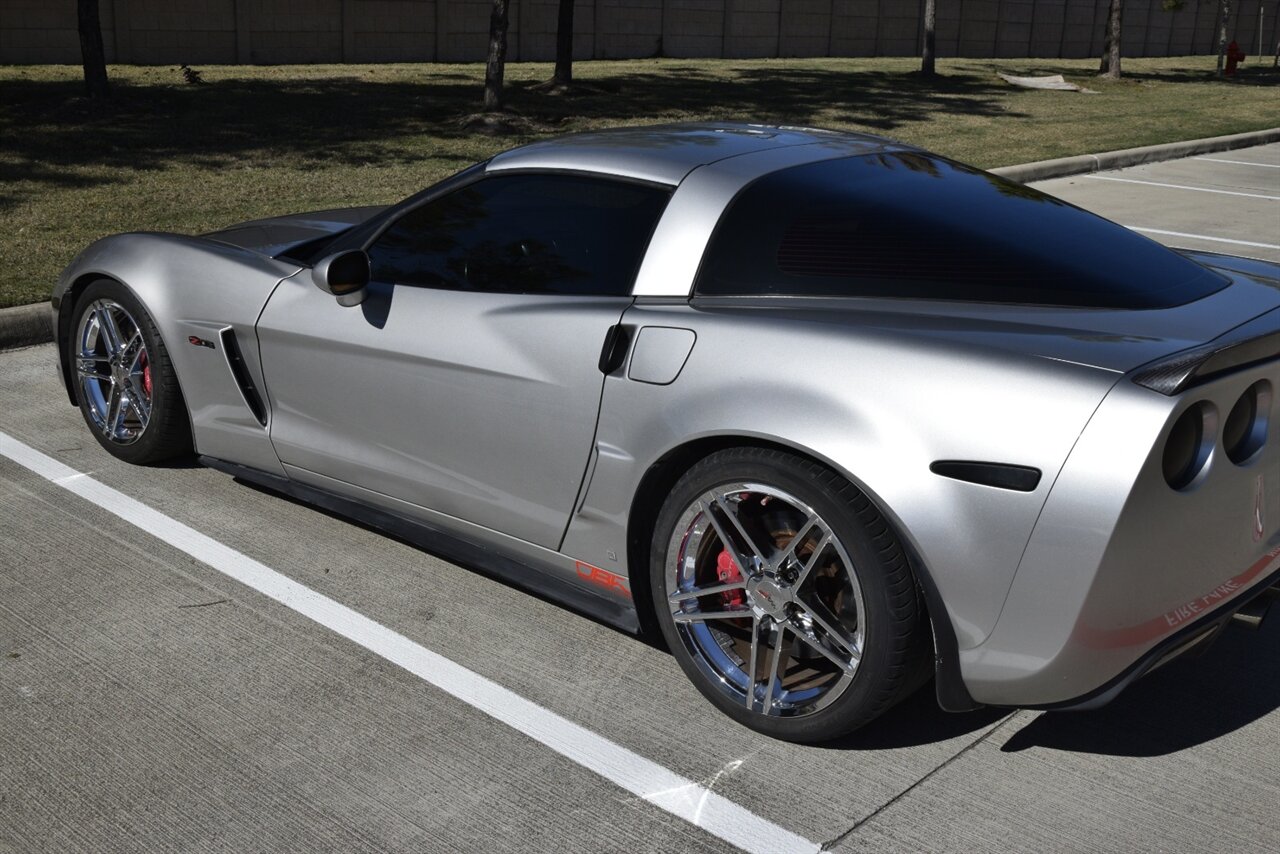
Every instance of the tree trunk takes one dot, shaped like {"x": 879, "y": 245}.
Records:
{"x": 1222, "y": 35}
{"x": 91, "y": 52}
{"x": 497, "y": 63}
{"x": 1110, "y": 66}
{"x": 927, "y": 56}
{"x": 564, "y": 45}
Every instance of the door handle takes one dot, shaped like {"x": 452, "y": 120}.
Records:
{"x": 614, "y": 351}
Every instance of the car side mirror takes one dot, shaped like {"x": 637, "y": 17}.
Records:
{"x": 345, "y": 275}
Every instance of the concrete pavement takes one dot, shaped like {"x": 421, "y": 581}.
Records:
{"x": 1227, "y": 202}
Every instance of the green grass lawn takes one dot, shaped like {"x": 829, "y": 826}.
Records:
{"x": 266, "y": 140}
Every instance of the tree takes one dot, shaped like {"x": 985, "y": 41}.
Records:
{"x": 497, "y": 64}
{"x": 564, "y": 45}
{"x": 927, "y": 55}
{"x": 1224, "y": 18}
{"x": 1110, "y": 66}
{"x": 91, "y": 52}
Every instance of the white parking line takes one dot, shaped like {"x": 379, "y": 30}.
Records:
{"x": 1202, "y": 237}
{"x": 665, "y": 789}
{"x": 1238, "y": 162}
{"x": 1183, "y": 187}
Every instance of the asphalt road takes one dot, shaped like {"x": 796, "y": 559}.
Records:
{"x": 150, "y": 702}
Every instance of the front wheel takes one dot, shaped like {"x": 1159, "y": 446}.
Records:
{"x": 785, "y": 596}
{"x": 124, "y": 382}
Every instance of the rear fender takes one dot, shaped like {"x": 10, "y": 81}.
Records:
{"x": 867, "y": 406}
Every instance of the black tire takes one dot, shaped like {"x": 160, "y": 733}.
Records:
{"x": 896, "y": 655}
{"x": 167, "y": 433}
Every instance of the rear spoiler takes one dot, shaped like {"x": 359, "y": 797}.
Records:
{"x": 1251, "y": 344}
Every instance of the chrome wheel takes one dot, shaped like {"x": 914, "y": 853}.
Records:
{"x": 113, "y": 371}
{"x": 765, "y": 599}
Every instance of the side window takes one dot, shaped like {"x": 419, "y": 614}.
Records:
{"x": 530, "y": 233}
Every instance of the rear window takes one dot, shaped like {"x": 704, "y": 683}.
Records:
{"x": 911, "y": 225}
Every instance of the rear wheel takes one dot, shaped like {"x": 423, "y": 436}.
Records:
{"x": 124, "y": 382}
{"x": 785, "y": 596}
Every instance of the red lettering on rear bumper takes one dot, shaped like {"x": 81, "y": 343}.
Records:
{"x": 1170, "y": 620}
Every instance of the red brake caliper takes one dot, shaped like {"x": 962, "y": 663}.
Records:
{"x": 727, "y": 570}
{"x": 146, "y": 374}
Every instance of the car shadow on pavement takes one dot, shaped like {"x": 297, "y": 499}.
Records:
{"x": 917, "y": 721}
{"x": 1189, "y": 702}
{"x": 179, "y": 463}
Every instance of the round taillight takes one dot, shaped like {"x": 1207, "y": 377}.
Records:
{"x": 1189, "y": 445}
{"x": 1245, "y": 431}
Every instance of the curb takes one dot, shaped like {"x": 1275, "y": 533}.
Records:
{"x": 25, "y": 325}
{"x": 33, "y": 324}
{"x": 1062, "y": 167}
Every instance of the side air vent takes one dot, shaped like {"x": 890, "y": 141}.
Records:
{"x": 999, "y": 475}
{"x": 240, "y": 371}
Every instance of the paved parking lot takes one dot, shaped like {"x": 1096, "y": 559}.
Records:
{"x": 359, "y": 694}
{"x": 1227, "y": 202}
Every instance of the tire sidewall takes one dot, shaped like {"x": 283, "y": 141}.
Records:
{"x": 859, "y": 702}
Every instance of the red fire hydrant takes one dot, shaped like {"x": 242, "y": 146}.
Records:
{"x": 1234, "y": 56}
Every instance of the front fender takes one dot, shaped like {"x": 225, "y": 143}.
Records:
{"x": 190, "y": 287}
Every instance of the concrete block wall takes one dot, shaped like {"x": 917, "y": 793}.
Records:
{"x": 1046, "y": 29}
{"x": 752, "y": 28}
{"x": 628, "y": 28}
{"x": 694, "y": 28}
{"x": 853, "y": 27}
{"x": 804, "y": 28}
{"x": 270, "y": 31}
{"x": 304, "y": 31}
{"x": 1013, "y": 28}
{"x": 979, "y": 20}
{"x": 899, "y": 30}
{"x": 389, "y": 30}
{"x": 39, "y": 32}
{"x": 534, "y": 38}
{"x": 1082, "y": 28}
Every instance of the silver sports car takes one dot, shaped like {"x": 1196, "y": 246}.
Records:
{"x": 830, "y": 413}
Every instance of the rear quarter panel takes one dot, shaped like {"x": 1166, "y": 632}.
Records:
{"x": 1120, "y": 560}
{"x": 878, "y": 406}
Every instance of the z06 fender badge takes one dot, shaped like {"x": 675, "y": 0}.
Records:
{"x": 200, "y": 342}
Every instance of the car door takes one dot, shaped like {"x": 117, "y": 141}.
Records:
{"x": 468, "y": 381}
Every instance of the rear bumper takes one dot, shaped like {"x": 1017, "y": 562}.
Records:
{"x": 1122, "y": 570}
{"x": 1195, "y": 635}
